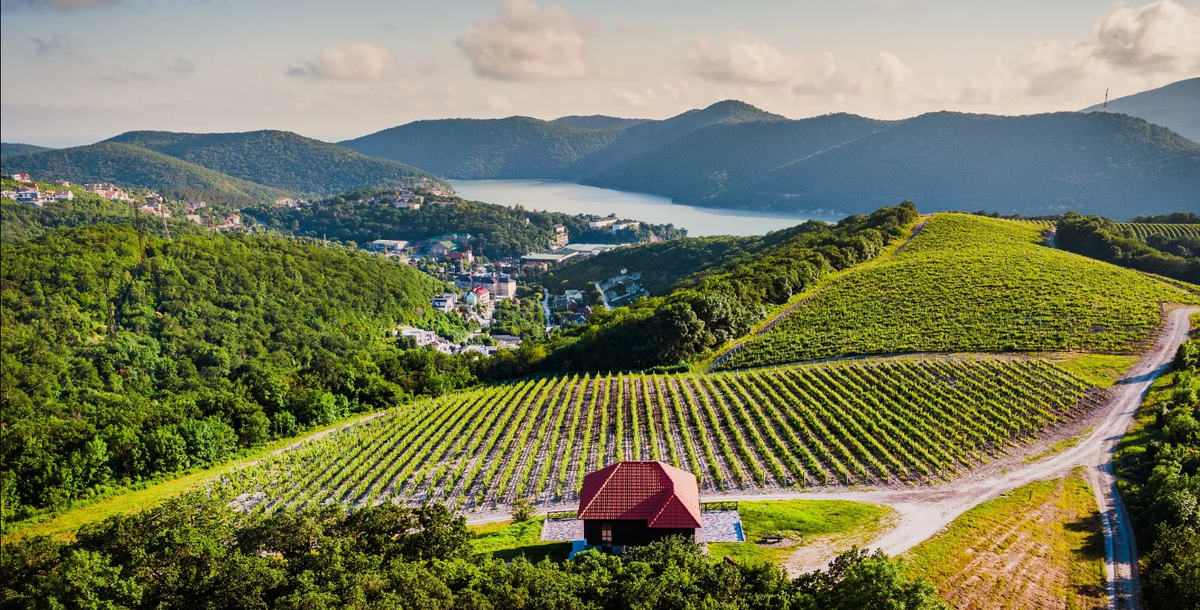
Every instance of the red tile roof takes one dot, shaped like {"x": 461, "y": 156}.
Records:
{"x": 663, "y": 495}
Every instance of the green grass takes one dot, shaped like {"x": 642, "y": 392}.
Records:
{"x": 63, "y": 526}
{"x": 798, "y": 520}
{"x": 507, "y": 540}
{"x": 970, "y": 284}
{"x": 1100, "y": 370}
{"x": 1052, "y": 528}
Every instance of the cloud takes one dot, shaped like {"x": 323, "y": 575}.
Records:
{"x": 525, "y": 42}
{"x": 635, "y": 98}
{"x": 1163, "y": 37}
{"x": 746, "y": 60}
{"x": 55, "y": 46}
{"x": 178, "y": 67}
{"x": 355, "y": 61}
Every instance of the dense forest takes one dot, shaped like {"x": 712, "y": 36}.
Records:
{"x": 132, "y": 166}
{"x": 519, "y": 317}
{"x": 721, "y": 304}
{"x": 1159, "y": 463}
{"x": 496, "y": 231}
{"x": 1104, "y": 239}
{"x": 282, "y": 159}
{"x": 196, "y": 552}
{"x": 122, "y": 361}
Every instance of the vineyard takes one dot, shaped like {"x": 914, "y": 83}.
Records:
{"x": 1170, "y": 231}
{"x": 969, "y": 284}
{"x": 899, "y": 421}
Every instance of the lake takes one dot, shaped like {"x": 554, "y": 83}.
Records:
{"x": 571, "y": 198}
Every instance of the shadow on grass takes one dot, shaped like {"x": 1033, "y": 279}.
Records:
{"x": 554, "y": 551}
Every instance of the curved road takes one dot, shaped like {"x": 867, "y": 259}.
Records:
{"x": 925, "y": 511}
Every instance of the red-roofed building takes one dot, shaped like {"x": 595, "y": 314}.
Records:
{"x": 631, "y": 503}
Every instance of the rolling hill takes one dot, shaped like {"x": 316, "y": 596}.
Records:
{"x": 515, "y": 147}
{"x": 1175, "y": 106}
{"x": 132, "y": 166}
{"x": 281, "y": 159}
{"x": 597, "y": 121}
{"x": 968, "y": 284}
{"x": 12, "y": 149}
{"x": 732, "y": 154}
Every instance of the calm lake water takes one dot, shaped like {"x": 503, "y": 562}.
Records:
{"x": 571, "y": 198}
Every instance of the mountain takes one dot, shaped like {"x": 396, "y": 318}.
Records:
{"x": 1108, "y": 164}
{"x": 515, "y": 147}
{"x": 1175, "y": 106}
{"x": 132, "y": 166}
{"x": 12, "y": 149}
{"x": 597, "y": 121}
{"x": 281, "y": 159}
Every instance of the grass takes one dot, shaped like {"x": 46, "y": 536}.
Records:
{"x": 1041, "y": 541}
{"x": 1058, "y": 447}
{"x": 508, "y": 540}
{"x": 1100, "y": 370}
{"x": 798, "y": 521}
{"x": 970, "y": 284}
{"x": 64, "y": 525}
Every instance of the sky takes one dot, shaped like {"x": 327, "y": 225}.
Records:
{"x": 78, "y": 71}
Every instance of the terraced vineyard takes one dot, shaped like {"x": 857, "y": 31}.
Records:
{"x": 867, "y": 422}
{"x": 968, "y": 284}
{"x": 1171, "y": 231}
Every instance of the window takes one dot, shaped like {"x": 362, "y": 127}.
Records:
{"x": 606, "y": 534}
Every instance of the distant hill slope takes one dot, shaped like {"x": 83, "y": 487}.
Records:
{"x": 1175, "y": 106}
{"x": 515, "y": 147}
{"x": 969, "y": 284}
{"x": 734, "y": 155}
{"x": 281, "y": 159}
{"x": 1108, "y": 164}
{"x": 8, "y": 149}
{"x": 132, "y": 166}
{"x": 597, "y": 121}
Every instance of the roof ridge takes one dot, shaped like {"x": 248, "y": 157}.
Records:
{"x": 616, "y": 466}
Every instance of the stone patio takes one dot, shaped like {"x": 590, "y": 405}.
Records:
{"x": 719, "y": 526}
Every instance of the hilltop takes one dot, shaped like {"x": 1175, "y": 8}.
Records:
{"x": 282, "y": 160}
{"x": 597, "y": 121}
{"x": 13, "y": 149}
{"x": 968, "y": 284}
{"x": 133, "y": 166}
{"x": 732, "y": 154}
{"x": 1175, "y": 106}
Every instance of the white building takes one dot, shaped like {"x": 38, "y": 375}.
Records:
{"x": 602, "y": 223}
{"x": 445, "y": 302}
{"x": 389, "y": 246}
{"x": 421, "y": 336}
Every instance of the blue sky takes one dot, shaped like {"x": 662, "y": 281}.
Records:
{"x": 75, "y": 71}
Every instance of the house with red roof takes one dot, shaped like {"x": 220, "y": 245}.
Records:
{"x": 638, "y": 502}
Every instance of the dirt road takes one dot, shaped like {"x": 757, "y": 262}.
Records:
{"x": 925, "y": 511}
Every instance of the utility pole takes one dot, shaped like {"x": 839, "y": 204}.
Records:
{"x": 1106, "y": 97}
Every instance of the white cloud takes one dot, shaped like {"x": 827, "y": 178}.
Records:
{"x": 1163, "y": 37}
{"x": 746, "y": 60}
{"x": 635, "y": 98}
{"x": 355, "y": 61}
{"x": 525, "y": 42}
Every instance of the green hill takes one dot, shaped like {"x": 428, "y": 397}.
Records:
{"x": 282, "y": 160}
{"x": 1175, "y": 106}
{"x": 15, "y": 148}
{"x": 515, "y": 147}
{"x": 597, "y": 121}
{"x": 969, "y": 284}
{"x": 132, "y": 166}
{"x": 119, "y": 365}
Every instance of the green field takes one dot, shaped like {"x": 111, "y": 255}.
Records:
{"x": 869, "y": 422}
{"x": 799, "y": 522}
{"x": 969, "y": 284}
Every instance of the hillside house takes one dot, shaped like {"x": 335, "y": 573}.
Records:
{"x": 638, "y": 502}
{"x": 445, "y": 302}
{"x": 21, "y": 177}
{"x": 622, "y": 225}
{"x": 603, "y": 223}
{"x": 466, "y": 257}
{"x": 478, "y": 296}
{"x": 560, "y": 237}
{"x": 389, "y": 246}
{"x": 64, "y": 195}
{"x": 421, "y": 336}
{"x": 62, "y": 182}
{"x": 442, "y": 248}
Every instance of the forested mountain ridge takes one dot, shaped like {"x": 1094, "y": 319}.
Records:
{"x": 597, "y": 121}
{"x": 282, "y": 159}
{"x": 1175, "y": 106}
{"x": 120, "y": 363}
{"x": 17, "y": 148}
{"x": 734, "y": 155}
{"x": 132, "y": 166}
{"x": 514, "y": 147}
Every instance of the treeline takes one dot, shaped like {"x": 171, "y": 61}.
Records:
{"x": 496, "y": 231}
{"x": 120, "y": 362}
{"x": 719, "y": 305}
{"x": 1161, "y": 485}
{"x": 196, "y": 552}
{"x": 1104, "y": 239}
